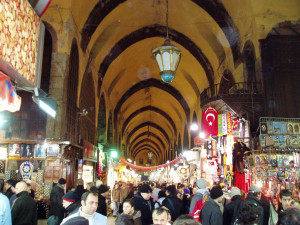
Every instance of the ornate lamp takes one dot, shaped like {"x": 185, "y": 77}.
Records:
{"x": 167, "y": 57}
{"x": 150, "y": 155}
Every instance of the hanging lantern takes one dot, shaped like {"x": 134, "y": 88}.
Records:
{"x": 167, "y": 57}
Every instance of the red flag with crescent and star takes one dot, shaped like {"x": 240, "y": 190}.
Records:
{"x": 210, "y": 121}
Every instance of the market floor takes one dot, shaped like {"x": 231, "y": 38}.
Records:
{"x": 111, "y": 220}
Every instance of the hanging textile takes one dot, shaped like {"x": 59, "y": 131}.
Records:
{"x": 152, "y": 167}
{"x": 9, "y": 100}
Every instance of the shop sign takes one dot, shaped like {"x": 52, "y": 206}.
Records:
{"x": 210, "y": 121}
{"x": 89, "y": 151}
{"x": 26, "y": 170}
{"x": 198, "y": 141}
{"x": 22, "y": 37}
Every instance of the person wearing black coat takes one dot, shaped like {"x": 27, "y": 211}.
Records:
{"x": 144, "y": 203}
{"x": 172, "y": 202}
{"x": 266, "y": 206}
{"x": 10, "y": 185}
{"x": 56, "y": 206}
{"x": 103, "y": 193}
{"x": 253, "y": 197}
{"x": 231, "y": 211}
{"x": 80, "y": 189}
{"x": 24, "y": 208}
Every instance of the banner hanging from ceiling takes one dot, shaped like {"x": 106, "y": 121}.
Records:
{"x": 9, "y": 100}
{"x": 152, "y": 167}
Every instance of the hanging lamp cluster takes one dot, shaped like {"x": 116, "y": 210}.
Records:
{"x": 167, "y": 56}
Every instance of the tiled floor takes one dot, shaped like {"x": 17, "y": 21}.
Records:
{"x": 111, "y": 220}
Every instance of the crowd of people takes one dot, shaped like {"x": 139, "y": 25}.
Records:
{"x": 146, "y": 203}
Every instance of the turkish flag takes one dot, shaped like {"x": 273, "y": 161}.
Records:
{"x": 210, "y": 121}
{"x": 9, "y": 100}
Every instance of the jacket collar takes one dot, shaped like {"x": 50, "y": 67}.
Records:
{"x": 22, "y": 193}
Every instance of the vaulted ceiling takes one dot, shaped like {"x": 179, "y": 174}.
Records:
{"x": 119, "y": 36}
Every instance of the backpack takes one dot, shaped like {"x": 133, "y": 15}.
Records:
{"x": 197, "y": 210}
{"x": 236, "y": 211}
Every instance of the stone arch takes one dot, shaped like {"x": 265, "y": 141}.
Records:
{"x": 102, "y": 120}
{"x": 179, "y": 148}
{"x": 110, "y": 129}
{"x": 194, "y": 133}
{"x": 72, "y": 116}
{"x": 53, "y": 33}
{"x": 280, "y": 66}
{"x": 249, "y": 62}
{"x": 87, "y": 102}
{"x": 186, "y": 144}
{"x": 227, "y": 82}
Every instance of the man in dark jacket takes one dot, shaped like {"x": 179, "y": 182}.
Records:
{"x": 143, "y": 202}
{"x": 253, "y": 197}
{"x": 71, "y": 202}
{"x": 211, "y": 213}
{"x": 172, "y": 202}
{"x": 56, "y": 207}
{"x": 231, "y": 211}
{"x": 103, "y": 193}
{"x": 10, "y": 188}
{"x": 24, "y": 209}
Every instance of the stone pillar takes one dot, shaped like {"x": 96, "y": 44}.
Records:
{"x": 55, "y": 128}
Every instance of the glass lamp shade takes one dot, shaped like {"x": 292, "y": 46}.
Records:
{"x": 150, "y": 154}
{"x": 167, "y": 57}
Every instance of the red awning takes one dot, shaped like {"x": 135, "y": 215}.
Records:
{"x": 9, "y": 100}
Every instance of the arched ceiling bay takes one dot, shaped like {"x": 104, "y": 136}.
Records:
{"x": 120, "y": 36}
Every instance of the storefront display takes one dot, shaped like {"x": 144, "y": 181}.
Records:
{"x": 276, "y": 165}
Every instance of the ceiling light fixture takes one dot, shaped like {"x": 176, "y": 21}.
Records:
{"x": 167, "y": 56}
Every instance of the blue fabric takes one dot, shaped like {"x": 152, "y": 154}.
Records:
{"x": 5, "y": 214}
{"x": 116, "y": 208}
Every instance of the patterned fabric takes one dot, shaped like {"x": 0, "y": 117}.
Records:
{"x": 13, "y": 175}
{"x": 40, "y": 177}
{"x": 39, "y": 190}
{"x": 7, "y": 175}
{"x": 47, "y": 190}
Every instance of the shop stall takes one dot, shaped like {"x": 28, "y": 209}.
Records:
{"x": 276, "y": 164}
{"x": 222, "y": 154}
{"x": 89, "y": 163}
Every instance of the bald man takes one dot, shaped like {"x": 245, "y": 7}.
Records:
{"x": 24, "y": 209}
